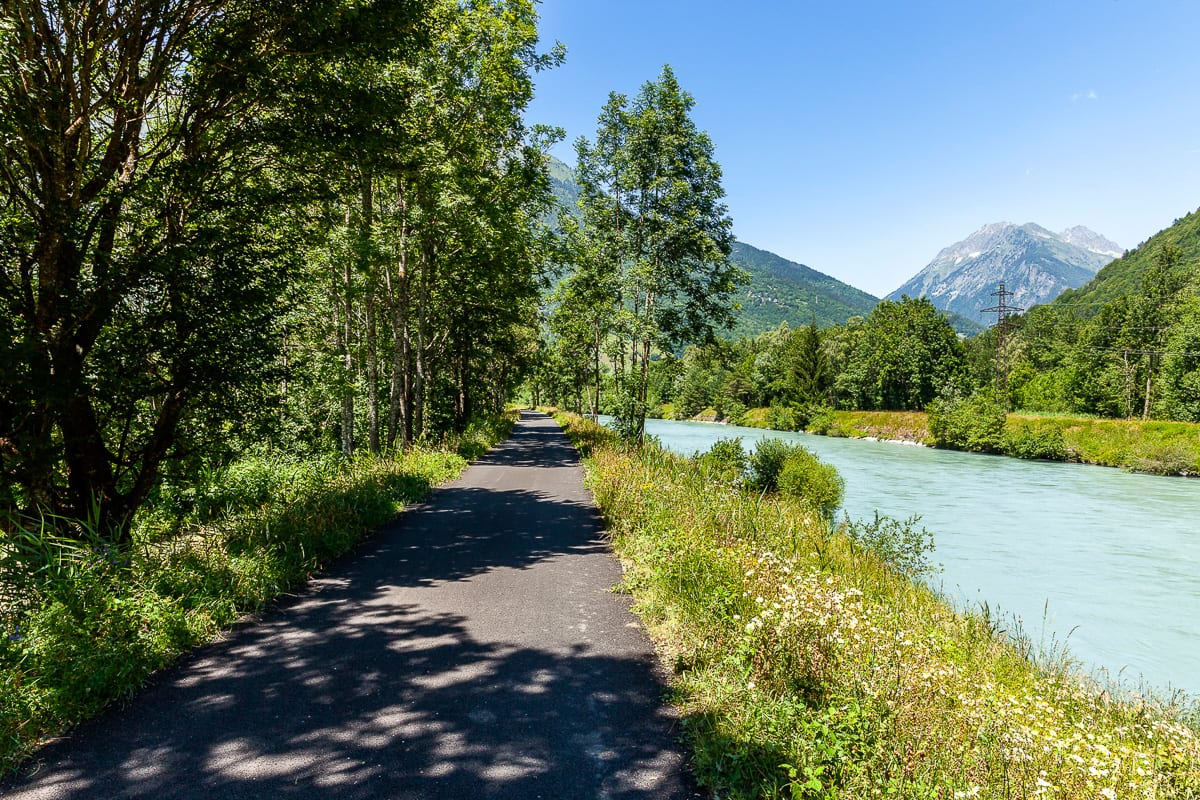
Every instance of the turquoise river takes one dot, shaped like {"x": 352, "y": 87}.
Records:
{"x": 1105, "y": 560}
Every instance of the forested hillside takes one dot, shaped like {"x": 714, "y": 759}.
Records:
{"x": 565, "y": 189}
{"x": 1127, "y": 344}
{"x": 1123, "y": 276}
{"x": 784, "y": 291}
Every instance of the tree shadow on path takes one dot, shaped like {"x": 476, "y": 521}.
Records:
{"x": 469, "y": 650}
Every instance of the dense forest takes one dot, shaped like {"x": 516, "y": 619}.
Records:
{"x": 229, "y": 226}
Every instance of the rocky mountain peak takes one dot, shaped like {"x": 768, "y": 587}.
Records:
{"x": 1033, "y": 262}
{"x": 1090, "y": 240}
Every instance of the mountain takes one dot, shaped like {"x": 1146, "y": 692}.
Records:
{"x": 1124, "y": 275}
{"x": 780, "y": 290}
{"x": 563, "y": 186}
{"x": 1092, "y": 241}
{"x": 1033, "y": 263}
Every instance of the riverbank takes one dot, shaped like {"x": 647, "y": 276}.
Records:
{"x": 82, "y": 625}
{"x": 807, "y": 667}
{"x": 1151, "y": 446}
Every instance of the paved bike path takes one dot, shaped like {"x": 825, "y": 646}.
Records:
{"x": 471, "y": 649}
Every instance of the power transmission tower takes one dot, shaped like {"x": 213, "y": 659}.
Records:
{"x": 1003, "y": 311}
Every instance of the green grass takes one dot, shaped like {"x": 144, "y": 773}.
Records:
{"x": 82, "y": 625}
{"x": 905, "y": 426}
{"x": 1153, "y": 446}
{"x": 1165, "y": 448}
{"x": 806, "y": 666}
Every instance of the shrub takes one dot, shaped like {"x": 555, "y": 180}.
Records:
{"x": 1161, "y": 460}
{"x": 725, "y": 460}
{"x": 779, "y": 466}
{"x": 975, "y": 424}
{"x": 804, "y": 476}
{"x": 820, "y": 420}
{"x": 781, "y": 418}
{"x": 766, "y": 462}
{"x": 1035, "y": 443}
{"x": 732, "y": 412}
{"x": 901, "y": 545}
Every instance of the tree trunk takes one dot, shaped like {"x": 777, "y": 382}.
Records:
{"x": 599, "y": 376}
{"x": 1149, "y": 379}
{"x": 366, "y": 222}
{"x": 345, "y": 337}
{"x": 420, "y": 381}
{"x": 400, "y": 390}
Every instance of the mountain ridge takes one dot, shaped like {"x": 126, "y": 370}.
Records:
{"x": 1123, "y": 275}
{"x": 1034, "y": 263}
{"x": 780, "y": 290}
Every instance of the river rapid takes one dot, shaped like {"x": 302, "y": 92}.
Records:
{"x": 1105, "y": 560}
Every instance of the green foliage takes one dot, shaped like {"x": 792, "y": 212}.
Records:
{"x": 1035, "y": 442}
{"x": 316, "y": 228}
{"x": 974, "y": 424}
{"x": 1124, "y": 344}
{"x": 766, "y": 463}
{"x": 726, "y": 460}
{"x": 901, "y": 545}
{"x": 807, "y": 374}
{"x": 820, "y": 420}
{"x": 789, "y": 469}
{"x": 806, "y": 478}
{"x": 783, "y": 418}
{"x": 903, "y": 356}
{"x": 657, "y": 231}
{"x": 1181, "y": 365}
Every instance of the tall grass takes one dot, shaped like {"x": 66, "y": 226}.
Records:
{"x": 82, "y": 624}
{"x": 808, "y": 667}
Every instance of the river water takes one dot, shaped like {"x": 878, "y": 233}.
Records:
{"x": 1105, "y": 560}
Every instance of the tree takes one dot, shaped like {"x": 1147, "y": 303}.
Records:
{"x": 233, "y": 221}
{"x": 584, "y": 308}
{"x": 807, "y": 371}
{"x": 904, "y": 355}
{"x": 1180, "y": 393}
{"x": 142, "y": 250}
{"x": 429, "y": 243}
{"x": 651, "y": 203}
{"x": 1160, "y": 287}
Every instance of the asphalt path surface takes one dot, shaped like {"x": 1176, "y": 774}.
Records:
{"x": 471, "y": 649}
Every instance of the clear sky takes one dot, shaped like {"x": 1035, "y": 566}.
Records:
{"x": 860, "y": 138}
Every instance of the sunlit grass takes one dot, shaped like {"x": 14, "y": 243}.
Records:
{"x": 807, "y": 667}
{"x": 1155, "y": 446}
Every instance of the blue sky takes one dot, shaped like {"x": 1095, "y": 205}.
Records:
{"x": 860, "y": 138}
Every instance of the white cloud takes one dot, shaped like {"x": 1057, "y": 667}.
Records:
{"x": 1090, "y": 94}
